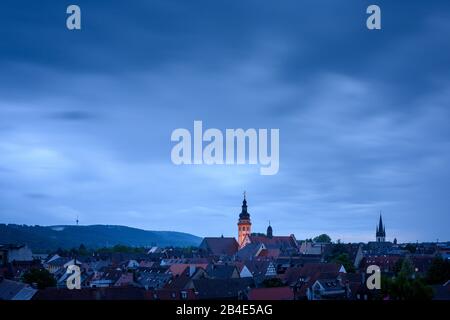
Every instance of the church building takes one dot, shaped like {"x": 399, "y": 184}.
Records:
{"x": 274, "y": 244}
{"x": 244, "y": 223}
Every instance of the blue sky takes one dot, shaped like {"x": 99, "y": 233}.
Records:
{"x": 86, "y": 116}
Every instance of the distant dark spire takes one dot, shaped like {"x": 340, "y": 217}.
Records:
{"x": 244, "y": 213}
{"x": 269, "y": 231}
{"x": 381, "y": 230}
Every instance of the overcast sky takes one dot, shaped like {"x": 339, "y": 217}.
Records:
{"x": 86, "y": 116}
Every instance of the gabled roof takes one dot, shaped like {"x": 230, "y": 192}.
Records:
{"x": 13, "y": 290}
{"x": 250, "y": 251}
{"x": 179, "y": 282}
{"x": 219, "y": 246}
{"x": 275, "y": 242}
{"x": 221, "y": 271}
{"x": 330, "y": 285}
{"x": 180, "y": 268}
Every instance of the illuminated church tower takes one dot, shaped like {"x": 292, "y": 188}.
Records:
{"x": 244, "y": 223}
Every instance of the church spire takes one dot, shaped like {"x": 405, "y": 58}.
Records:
{"x": 269, "y": 231}
{"x": 381, "y": 231}
{"x": 244, "y": 213}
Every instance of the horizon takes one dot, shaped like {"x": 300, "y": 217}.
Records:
{"x": 213, "y": 236}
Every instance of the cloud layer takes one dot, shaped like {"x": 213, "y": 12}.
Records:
{"x": 86, "y": 117}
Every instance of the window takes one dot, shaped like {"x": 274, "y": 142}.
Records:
{"x": 183, "y": 295}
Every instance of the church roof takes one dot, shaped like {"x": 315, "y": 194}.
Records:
{"x": 220, "y": 246}
{"x": 275, "y": 241}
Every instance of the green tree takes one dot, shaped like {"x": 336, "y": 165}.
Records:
{"x": 41, "y": 277}
{"x": 407, "y": 269}
{"x": 439, "y": 271}
{"x": 323, "y": 238}
{"x": 345, "y": 261}
{"x": 411, "y": 247}
{"x": 272, "y": 283}
{"x": 398, "y": 266}
{"x": 405, "y": 286}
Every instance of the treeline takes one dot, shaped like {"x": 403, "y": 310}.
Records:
{"x": 84, "y": 251}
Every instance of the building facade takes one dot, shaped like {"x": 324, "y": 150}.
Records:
{"x": 244, "y": 223}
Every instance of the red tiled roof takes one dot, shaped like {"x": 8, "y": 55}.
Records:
{"x": 179, "y": 268}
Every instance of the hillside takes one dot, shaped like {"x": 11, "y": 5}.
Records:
{"x": 41, "y": 238}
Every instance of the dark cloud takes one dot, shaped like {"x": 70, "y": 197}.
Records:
{"x": 73, "y": 115}
{"x": 362, "y": 115}
{"x": 36, "y": 195}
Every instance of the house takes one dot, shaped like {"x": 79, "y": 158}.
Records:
{"x": 313, "y": 248}
{"x": 387, "y": 264}
{"x": 63, "y": 274}
{"x": 126, "y": 279}
{"x": 251, "y": 251}
{"x": 261, "y": 269}
{"x": 57, "y": 263}
{"x": 219, "y": 246}
{"x": 283, "y": 263}
{"x": 278, "y": 293}
{"x": 244, "y": 272}
{"x": 222, "y": 271}
{"x": 13, "y": 290}
{"x": 105, "y": 278}
{"x": 12, "y": 252}
{"x": 179, "y": 268}
{"x": 283, "y": 244}
{"x": 153, "y": 280}
{"x": 301, "y": 279}
{"x": 378, "y": 248}
{"x": 327, "y": 289}
{"x": 184, "y": 280}
{"x": 130, "y": 264}
{"x": 18, "y": 268}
